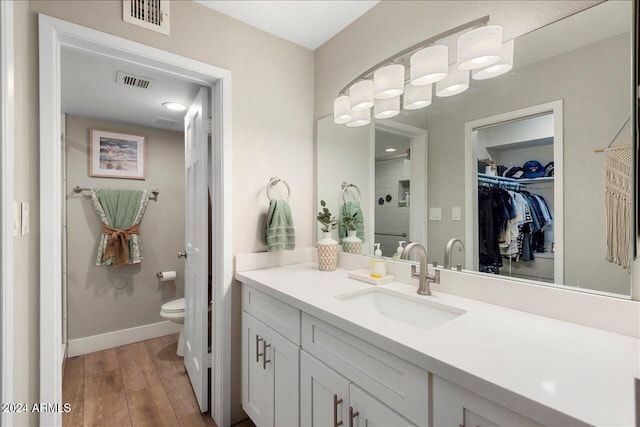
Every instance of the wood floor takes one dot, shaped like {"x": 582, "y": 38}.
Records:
{"x": 140, "y": 384}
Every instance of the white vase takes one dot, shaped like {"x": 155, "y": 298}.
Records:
{"x": 327, "y": 252}
{"x": 352, "y": 243}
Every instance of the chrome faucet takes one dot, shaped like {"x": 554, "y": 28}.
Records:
{"x": 448, "y": 249}
{"x": 424, "y": 279}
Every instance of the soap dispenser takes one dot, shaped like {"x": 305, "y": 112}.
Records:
{"x": 377, "y": 267}
{"x": 399, "y": 250}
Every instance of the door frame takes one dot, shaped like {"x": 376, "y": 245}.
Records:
{"x": 471, "y": 181}
{"x": 53, "y": 35}
{"x": 418, "y": 222}
{"x": 7, "y": 131}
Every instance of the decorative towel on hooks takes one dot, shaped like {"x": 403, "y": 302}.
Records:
{"x": 618, "y": 205}
{"x": 121, "y": 212}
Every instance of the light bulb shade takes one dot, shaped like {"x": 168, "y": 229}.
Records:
{"x": 416, "y": 97}
{"x": 501, "y": 67}
{"x": 456, "y": 82}
{"x": 480, "y": 48}
{"x": 388, "y": 82}
{"x": 342, "y": 110}
{"x": 359, "y": 118}
{"x": 361, "y": 95}
{"x": 429, "y": 65}
{"x": 386, "y": 108}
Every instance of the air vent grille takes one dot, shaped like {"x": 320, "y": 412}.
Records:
{"x": 168, "y": 122}
{"x": 149, "y": 14}
{"x": 127, "y": 79}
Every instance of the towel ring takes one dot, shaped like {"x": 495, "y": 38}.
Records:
{"x": 274, "y": 181}
{"x": 345, "y": 186}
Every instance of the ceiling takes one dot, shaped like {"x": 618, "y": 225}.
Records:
{"x": 386, "y": 140}
{"x": 308, "y": 23}
{"x": 89, "y": 89}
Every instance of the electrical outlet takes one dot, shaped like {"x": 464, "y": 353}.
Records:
{"x": 17, "y": 219}
{"x": 25, "y": 218}
{"x": 456, "y": 213}
{"x": 435, "y": 214}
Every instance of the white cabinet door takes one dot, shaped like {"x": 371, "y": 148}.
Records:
{"x": 324, "y": 394}
{"x": 366, "y": 411}
{"x": 257, "y": 381}
{"x": 270, "y": 375}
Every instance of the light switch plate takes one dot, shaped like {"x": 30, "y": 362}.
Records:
{"x": 456, "y": 213}
{"x": 17, "y": 217}
{"x": 435, "y": 214}
{"x": 25, "y": 218}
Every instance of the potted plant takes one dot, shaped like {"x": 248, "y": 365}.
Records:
{"x": 351, "y": 244}
{"x": 327, "y": 246}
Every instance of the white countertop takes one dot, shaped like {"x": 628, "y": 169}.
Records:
{"x": 517, "y": 359}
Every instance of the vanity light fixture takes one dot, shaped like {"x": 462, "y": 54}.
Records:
{"x": 416, "y": 97}
{"x": 385, "y": 108}
{"x": 480, "y": 48}
{"x": 174, "y": 106}
{"x": 359, "y": 118}
{"x": 342, "y": 110}
{"x": 361, "y": 95}
{"x": 456, "y": 82}
{"x": 429, "y": 65}
{"x": 388, "y": 82}
{"x": 501, "y": 67}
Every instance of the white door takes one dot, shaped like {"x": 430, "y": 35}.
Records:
{"x": 366, "y": 411}
{"x": 196, "y": 131}
{"x": 324, "y": 394}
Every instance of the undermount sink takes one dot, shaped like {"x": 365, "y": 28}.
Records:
{"x": 416, "y": 311}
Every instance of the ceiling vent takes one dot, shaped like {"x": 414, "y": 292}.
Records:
{"x": 127, "y": 79}
{"x": 149, "y": 14}
{"x": 168, "y": 122}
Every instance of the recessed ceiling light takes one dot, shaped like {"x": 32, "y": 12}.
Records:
{"x": 175, "y": 106}
{"x": 389, "y": 150}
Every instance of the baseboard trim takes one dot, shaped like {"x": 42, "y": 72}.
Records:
{"x": 99, "y": 342}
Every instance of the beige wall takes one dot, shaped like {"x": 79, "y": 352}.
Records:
{"x": 272, "y": 134}
{"x": 95, "y": 305}
{"x": 26, "y": 179}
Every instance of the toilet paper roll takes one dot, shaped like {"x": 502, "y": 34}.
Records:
{"x": 167, "y": 276}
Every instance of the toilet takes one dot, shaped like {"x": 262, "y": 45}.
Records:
{"x": 174, "y": 312}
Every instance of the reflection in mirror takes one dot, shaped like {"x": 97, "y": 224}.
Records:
{"x": 584, "y": 63}
{"x": 517, "y": 231}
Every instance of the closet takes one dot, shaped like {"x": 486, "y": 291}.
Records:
{"x": 516, "y": 201}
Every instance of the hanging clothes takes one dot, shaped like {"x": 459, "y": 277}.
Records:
{"x": 511, "y": 225}
{"x": 121, "y": 212}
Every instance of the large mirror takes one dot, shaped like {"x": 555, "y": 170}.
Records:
{"x": 545, "y": 135}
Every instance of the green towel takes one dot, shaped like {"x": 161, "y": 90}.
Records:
{"x": 279, "y": 233}
{"x": 348, "y": 210}
{"x": 120, "y": 210}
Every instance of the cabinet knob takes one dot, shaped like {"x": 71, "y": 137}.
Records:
{"x": 336, "y": 402}
{"x": 352, "y": 415}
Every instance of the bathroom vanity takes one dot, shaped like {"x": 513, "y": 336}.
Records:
{"x": 319, "y": 348}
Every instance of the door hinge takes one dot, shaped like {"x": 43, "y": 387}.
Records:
{"x": 209, "y": 361}
{"x": 209, "y": 126}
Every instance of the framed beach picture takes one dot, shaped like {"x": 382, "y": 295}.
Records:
{"x": 116, "y": 154}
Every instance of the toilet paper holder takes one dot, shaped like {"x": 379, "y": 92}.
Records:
{"x": 166, "y": 275}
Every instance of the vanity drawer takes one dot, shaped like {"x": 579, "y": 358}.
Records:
{"x": 395, "y": 382}
{"x": 456, "y": 406}
{"x": 279, "y": 316}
